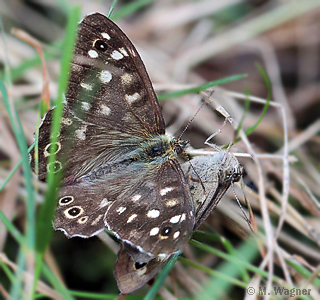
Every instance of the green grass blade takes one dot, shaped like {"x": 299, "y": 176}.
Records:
{"x": 161, "y": 278}
{"x": 112, "y": 8}
{"x": 16, "y": 287}
{"x": 55, "y": 282}
{"x": 30, "y": 201}
{"x": 14, "y": 169}
{"x": 130, "y": 8}
{"x": 198, "y": 89}
{"x": 44, "y": 227}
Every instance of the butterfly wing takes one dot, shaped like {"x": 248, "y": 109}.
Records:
{"x": 157, "y": 214}
{"x": 109, "y": 101}
{"x": 206, "y": 194}
{"x": 131, "y": 275}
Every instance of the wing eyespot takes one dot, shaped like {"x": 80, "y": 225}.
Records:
{"x": 66, "y": 200}
{"x": 100, "y": 45}
{"x": 73, "y": 212}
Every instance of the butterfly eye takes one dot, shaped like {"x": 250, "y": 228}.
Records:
{"x": 100, "y": 45}
{"x": 166, "y": 231}
{"x": 139, "y": 265}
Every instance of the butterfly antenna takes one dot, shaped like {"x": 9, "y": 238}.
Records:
{"x": 241, "y": 208}
{"x": 191, "y": 120}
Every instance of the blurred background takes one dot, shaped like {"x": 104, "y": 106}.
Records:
{"x": 185, "y": 44}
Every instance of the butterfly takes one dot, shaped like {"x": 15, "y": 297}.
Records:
{"x": 120, "y": 170}
{"x": 209, "y": 177}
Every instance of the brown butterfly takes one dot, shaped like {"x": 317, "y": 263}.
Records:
{"x": 209, "y": 177}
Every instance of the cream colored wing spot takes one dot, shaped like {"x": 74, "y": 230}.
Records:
{"x": 121, "y": 209}
{"x": 105, "y": 76}
{"x": 183, "y": 217}
{"x": 116, "y": 55}
{"x": 96, "y": 220}
{"x": 81, "y": 132}
{"x": 165, "y": 191}
{"x": 104, "y": 203}
{"x": 56, "y": 148}
{"x": 105, "y": 110}
{"x": 83, "y": 220}
{"x": 66, "y": 200}
{"x": 85, "y": 106}
{"x": 136, "y": 197}
{"x": 176, "y": 234}
{"x": 86, "y": 86}
{"x": 132, "y": 98}
{"x": 105, "y": 35}
{"x": 54, "y": 167}
{"x": 73, "y": 212}
{"x": 126, "y": 78}
{"x": 154, "y": 231}
{"x": 154, "y": 213}
{"x": 123, "y": 51}
{"x": 131, "y": 218}
{"x": 66, "y": 121}
{"x": 93, "y": 53}
{"x": 175, "y": 219}
{"x": 171, "y": 203}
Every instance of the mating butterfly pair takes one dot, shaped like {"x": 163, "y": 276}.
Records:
{"x": 120, "y": 170}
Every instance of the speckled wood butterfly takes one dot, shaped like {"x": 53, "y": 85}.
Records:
{"x": 217, "y": 173}
{"x": 119, "y": 168}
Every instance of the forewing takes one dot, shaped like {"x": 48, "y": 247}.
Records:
{"x": 110, "y": 103}
{"x": 157, "y": 213}
{"x": 109, "y": 84}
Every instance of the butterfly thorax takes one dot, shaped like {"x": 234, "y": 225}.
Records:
{"x": 158, "y": 147}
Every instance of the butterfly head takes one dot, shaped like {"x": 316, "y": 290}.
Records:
{"x": 179, "y": 145}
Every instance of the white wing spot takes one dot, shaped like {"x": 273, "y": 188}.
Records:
{"x": 123, "y": 51}
{"x": 154, "y": 213}
{"x": 175, "y": 219}
{"x": 171, "y": 202}
{"x": 93, "y": 53}
{"x": 116, "y": 55}
{"x": 183, "y": 217}
{"x": 121, "y": 209}
{"x": 81, "y": 132}
{"x": 176, "y": 234}
{"x": 132, "y": 98}
{"x": 105, "y": 110}
{"x": 85, "y": 106}
{"x": 154, "y": 231}
{"x": 105, "y": 76}
{"x": 165, "y": 191}
{"x": 86, "y": 86}
{"x": 105, "y": 35}
{"x": 130, "y": 219}
{"x": 191, "y": 213}
{"x": 104, "y": 202}
{"x": 96, "y": 220}
{"x": 136, "y": 197}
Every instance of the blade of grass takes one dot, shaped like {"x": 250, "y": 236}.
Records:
{"x": 14, "y": 169}
{"x": 198, "y": 89}
{"x": 55, "y": 282}
{"x": 129, "y": 9}
{"x": 161, "y": 278}
{"x": 44, "y": 227}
